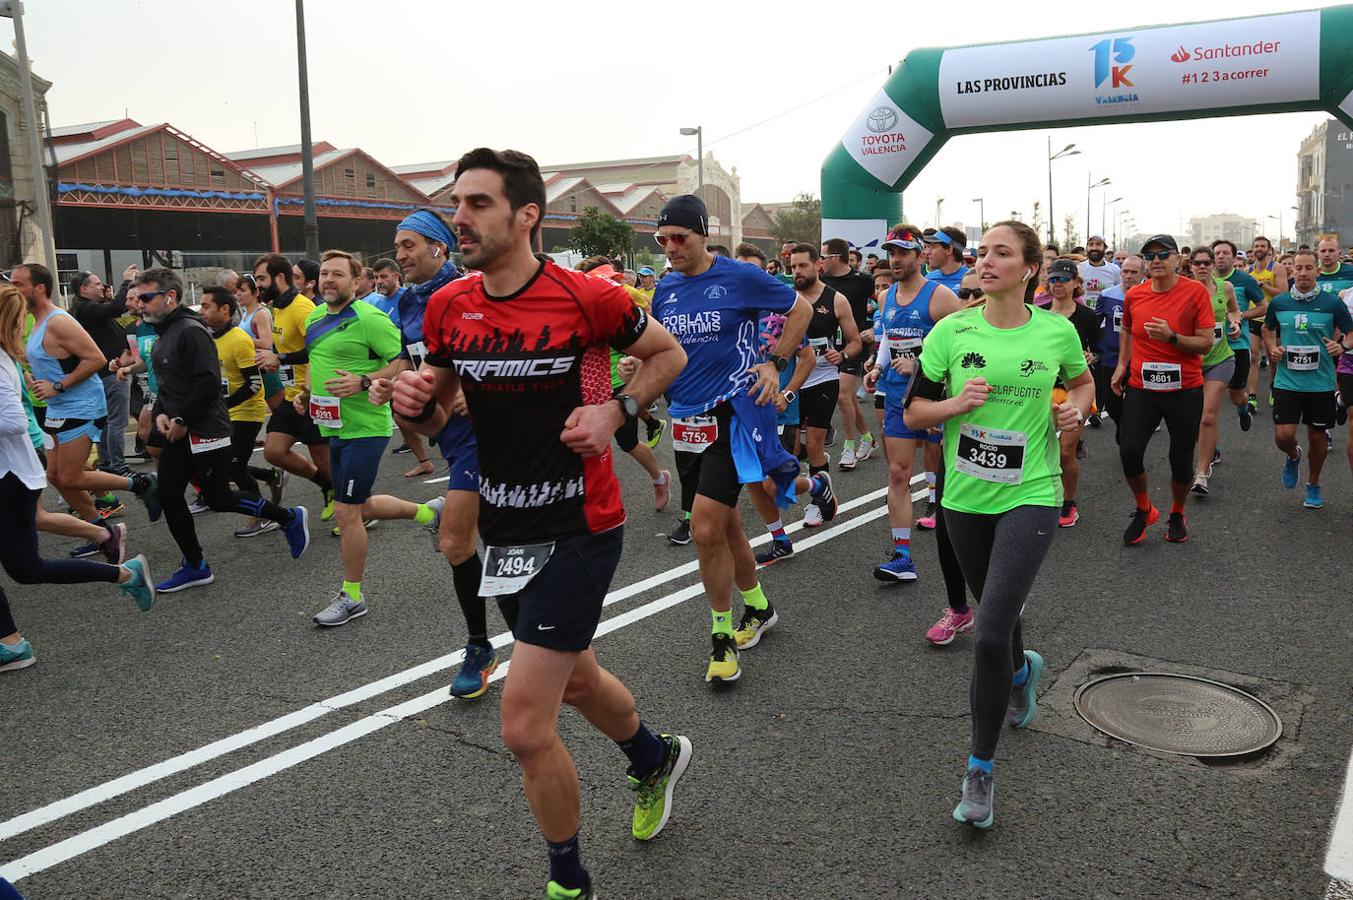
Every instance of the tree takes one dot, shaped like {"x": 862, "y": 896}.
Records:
{"x": 600, "y": 234}
{"x": 1070, "y": 238}
{"x": 801, "y": 221}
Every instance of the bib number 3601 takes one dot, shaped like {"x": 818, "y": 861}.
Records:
{"x": 991, "y": 455}
{"x": 509, "y": 569}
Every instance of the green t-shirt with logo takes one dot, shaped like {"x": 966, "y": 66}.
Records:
{"x": 1004, "y": 453}
{"x": 1221, "y": 348}
{"x": 359, "y": 340}
{"x": 1301, "y": 328}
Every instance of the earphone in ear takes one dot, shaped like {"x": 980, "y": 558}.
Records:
{"x": 436, "y": 252}
{"x": 1027, "y": 275}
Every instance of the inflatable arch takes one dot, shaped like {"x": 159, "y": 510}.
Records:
{"x": 1287, "y": 62}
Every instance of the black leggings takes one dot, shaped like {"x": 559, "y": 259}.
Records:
{"x": 19, "y": 549}
{"x": 1000, "y": 556}
{"x": 242, "y": 437}
{"x": 954, "y": 584}
{"x": 1182, "y": 412}
{"x": 688, "y": 473}
{"x": 211, "y": 472}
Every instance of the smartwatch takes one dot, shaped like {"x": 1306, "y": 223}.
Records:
{"x": 628, "y": 406}
{"x": 780, "y": 362}
{"x": 366, "y": 382}
{"x": 58, "y": 387}
{"x": 789, "y": 396}
{"x": 1174, "y": 337}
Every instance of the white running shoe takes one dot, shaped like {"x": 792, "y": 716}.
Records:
{"x": 863, "y": 450}
{"x": 812, "y": 516}
{"x": 847, "y": 458}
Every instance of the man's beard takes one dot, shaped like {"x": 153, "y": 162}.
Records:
{"x": 1095, "y": 255}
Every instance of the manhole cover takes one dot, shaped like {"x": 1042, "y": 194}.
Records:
{"x": 1178, "y": 714}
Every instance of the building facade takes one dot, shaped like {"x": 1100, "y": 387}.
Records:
{"x": 1325, "y": 184}
{"x": 21, "y": 235}
{"x": 1203, "y": 230}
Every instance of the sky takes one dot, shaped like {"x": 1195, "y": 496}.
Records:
{"x": 425, "y": 80}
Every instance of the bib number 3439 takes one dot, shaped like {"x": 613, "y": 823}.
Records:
{"x": 991, "y": 455}
{"x": 509, "y": 569}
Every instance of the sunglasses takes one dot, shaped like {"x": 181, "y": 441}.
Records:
{"x": 1059, "y": 279}
{"x": 147, "y": 296}
{"x": 678, "y": 240}
{"x": 969, "y": 293}
{"x": 1202, "y": 262}
{"x": 1157, "y": 255}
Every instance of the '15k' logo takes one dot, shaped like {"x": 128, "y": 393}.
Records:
{"x": 1113, "y": 61}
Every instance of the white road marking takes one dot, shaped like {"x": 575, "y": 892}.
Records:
{"x": 93, "y": 838}
{"x": 174, "y": 765}
{"x": 1339, "y": 857}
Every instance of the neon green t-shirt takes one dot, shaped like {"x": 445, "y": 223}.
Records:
{"x": 1004, "y": 453}
{"x": 1221, "y": 348}
{"x": 359, "y": 340}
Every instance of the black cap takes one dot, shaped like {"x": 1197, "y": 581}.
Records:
{"x": 686, "y": 211}
{"x": 1066, "y": 267}
{"x": 1164, "y": 240}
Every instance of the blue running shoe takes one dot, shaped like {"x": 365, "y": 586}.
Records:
{"x": 297, "y": 531}
{"x": 1314, "y": 498}
{"x": 824, "y": 498}
{"x": 1292, "y": 470}
{"x": 473, "y": 678}
{"x": 147, "y": 488}
{"x": 140, "y": 587}
{"x": 16, "y": 656}
{"x": 187, "y": 576}
{"x": 899, "y": 568}
{"x": 1024, "y": 697}
{"x": 977, "y": 808}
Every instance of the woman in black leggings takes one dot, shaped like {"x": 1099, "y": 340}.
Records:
{"x": 988, "y": 373}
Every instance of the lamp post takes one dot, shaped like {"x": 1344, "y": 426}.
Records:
{"x": 1104, "y": 213}
{"x": 13, "y": 9}
{"x": 1088, "y": 188}
{"x": 698, "y": 132}
{"x": 1068, "y": 150}
{"x": 1295, "y": 219}
{"x": 307, "y": 152}
{"x": 981, "y": 212}
{"x": 939, "y": 204}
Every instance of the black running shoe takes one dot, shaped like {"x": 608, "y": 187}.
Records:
{"x": 774, "y": 552}
{"x": 1176, "y": 531}
{"x": 1141, "y": 519}
{"x": 826, "y": 500}
{"x": 681, "y": 535}
{"x": 1246, "y": 416}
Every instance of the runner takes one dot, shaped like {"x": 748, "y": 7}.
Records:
{"x": 1218, "y": 363}
{"x": 256, "y": 322}
{"x": 99, "y": 317}
{"x": 63, "y": 357}
{"x": 1299, "y": 337}
{"x": 944, "y": 256}
{"x": 858, "y": 289}
{"x": 911, "y": 309}
{"x": 1110, "y": 312}
{"x": 526, "y": 340}
{"x": 1335, "y": 275}
{"x": 721, "y": 403}
{"x": 1273, "y": 279}
{"x": 389, "y": 286}
{"x": 290, "y": 309}
{"x": 192, "y": 430}
{"x": 883, "y": 280}
{"x": 998, "y": 363}
{"x": 1167, "y": 328}
{"x": 1251, "y": 302}
{"x": 1064, "y": 281}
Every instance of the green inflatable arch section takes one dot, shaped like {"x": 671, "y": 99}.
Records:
{"x": 1285, "y": 62}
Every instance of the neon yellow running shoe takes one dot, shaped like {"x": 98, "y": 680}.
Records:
{"x": 328, "y": 512}
{"x": 653, "y": 795}
{"x": 755, "y": 622}
{"x": 723, "y": 659}
{"x": 556, "y": 891}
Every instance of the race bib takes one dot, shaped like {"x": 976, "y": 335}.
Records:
{"x": 508, "y": 570}
{"x": 225, "y": 388}
{"x": 288, "y": 375}
{"x": 904, "y": 347}
{"x": 991, "y": 455}
{"x": 207, "y": 444}
{"x": 820, "y": 345}
{"x": 417, "y": 353}
{"x": 1162, "y": 376}
{"x": 1218, "y": 332}
{"x": 1302, "y": 359}
{"x": 325, "y": 411}
{"x": 695, "y": 434}
{"x": 143, "y": 381}
{"x": 1118, "y": 319}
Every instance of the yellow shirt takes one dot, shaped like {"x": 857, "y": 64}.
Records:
{"x": 288, "y": 336}
{"x": 235, "y": 349}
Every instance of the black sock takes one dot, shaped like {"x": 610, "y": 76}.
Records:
{"x": 323, "y": 482}
{"x": 813, "y": 470}
{"x": 566, "y": 864}
{"x": 646, "y": 752}
{"x": 262, "y": 474}
{"x": 466, "y": 576}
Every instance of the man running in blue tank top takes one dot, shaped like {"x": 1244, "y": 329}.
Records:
{"x": 723, "y": 417}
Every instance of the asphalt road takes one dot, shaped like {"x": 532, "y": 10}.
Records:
{"x": 222, "y": 746}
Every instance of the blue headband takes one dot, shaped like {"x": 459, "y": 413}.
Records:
{"x": 429, "y": 225}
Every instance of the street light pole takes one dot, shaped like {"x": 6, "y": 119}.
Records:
{"x": 939, "y": 205}
{"x": 1068, "y": 150}
{"x": 307, "y": 152}
{"x": 1104, "y": 214}
{"x": 1088, "y": 188}
{"x": 982, "y": 212}
{"x": 41, "y": 194}
{"x": 699, "y": 133}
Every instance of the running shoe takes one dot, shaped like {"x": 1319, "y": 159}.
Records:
{"x": 327, "y": 512}
{"x": 114, "y": 547}
{"x": 278, "y": 486}
{"x": 402, "y": 448}
{"x": 1246, "y": 413}
{"x": 1263, "y": 362}
{"x": 1199, "y": 485}
{"x": 825, "y": 500}
{"x": 865, "y": 449}
{"x": 1071, "y": 514}
{"x": 93, "y": 548}
{"x": 109, "y": 509}
{"x": 199, "y": 505}
{"x": 140, "y": 587}
{"x": 653, "y": 795}
{"x": 1176, "y": 529}
{"x": 848, "y": 459}
{"x": 927, "y": 521}
{"x": 1340, "y": 410}
{"x": 556, "y": 891}
{"x": 655, "y": 428}
{"x": 297, "y": 531}
{"x": 186, "y": 577}
{"x": 14, "y": 657}
{"x": 1292, "y": 470}
{"x": 1024, "y": 697}
{"x": 437, "y": 505}
{"x": 755, "y": 622}
{"x": 255, "y": 527}
{"x": 1094, "y": 420}
{"x": 1216, "y": 459}
{"x": 723, "y": 659}
{"x": 368, "y": 524}
{"x": 681, "y": 535}
{"x": 899, "y": 568}
{"x": 976, "y": 807}
{"x": 774, "y": 552}
{"x": 1141, "y": 520}
{"x": 662, "y": 493}
{"x": 830, "y": 439}
{"x": 473, "y": 678}
{"x": 1314, "y": 498}
{"x": 138, "y": 455}
{"x": 812, "y": 516}
{"x": 341, "y": 610}
{"x": 950, "y": 625}
{"x": 147, "y": 488}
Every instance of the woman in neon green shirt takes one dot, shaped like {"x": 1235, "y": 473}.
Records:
{"x": 987, "y": 373}
{"x": 1219, "y": 364}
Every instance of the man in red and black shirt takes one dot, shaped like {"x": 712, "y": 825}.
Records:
{"x": 523, "y": 345}
{"x": 1167, "y": 328}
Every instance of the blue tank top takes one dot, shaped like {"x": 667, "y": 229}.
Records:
{"x": 246, "y": 319}
{"x": 79, "y": 401}
{"x": 903, "y": 328}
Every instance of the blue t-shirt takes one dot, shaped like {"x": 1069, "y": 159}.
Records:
{"x": 1337, "y": 281}
{"x": 1110, "y": 312}
{"x": 385, "y": 304}
{"x": 714, "y": 316}
{"x": 949, "y": 281}
{"x": 790, "y": 416}
{"x": 1302, "y": 327}
{"x": 901, "y": 330}
{"x": 1248, "y": 294}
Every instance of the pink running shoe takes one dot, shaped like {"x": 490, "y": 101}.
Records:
{"x": 950, "y": 625}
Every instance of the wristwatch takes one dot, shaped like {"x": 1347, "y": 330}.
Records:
{"x": 1174, "y": 337}
{"x": 779, "y": 362}
{"x": 789, "y": 396}
{"x": 58, "y": 387}
{"x": 366, "y": 382}
{"x": 628, "y": 406}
